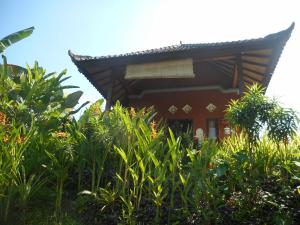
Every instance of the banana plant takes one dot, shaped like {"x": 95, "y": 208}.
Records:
{"x": 15, "y": 37}
{"x": 35, "y": 94}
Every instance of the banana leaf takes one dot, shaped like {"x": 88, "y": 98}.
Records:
{"x": 15, "y": 37}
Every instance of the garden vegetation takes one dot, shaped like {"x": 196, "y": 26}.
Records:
{"x": 124, "y": 167}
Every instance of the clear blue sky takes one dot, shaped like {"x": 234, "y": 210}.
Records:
{"x": 111, "y": 27}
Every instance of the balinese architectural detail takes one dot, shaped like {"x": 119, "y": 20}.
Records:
{"x": 172, "y": 109}
{"x": 187, "y": 108}
{"x": 202, "y": 74}
{"x": 211, "y": 107}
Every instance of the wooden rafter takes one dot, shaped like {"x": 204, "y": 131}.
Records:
{"x": 254, "y": 71}
{"x": 119, "y": 95}
{"x": 101, "y": 71}
{"x": 224, "y": 66}
{"x": 235, "y": 77}
{"x": 240, "y": 74}
{"x": 102, "y": 79}
{"x": 226, "y": 63}
{"x": 257, "y": 55}
{"x": 209, "y": 59}
{"x": 223, "y": 70}
{"x": 226, "y": 69}
{"x": 255, "y": 63}
{"x": 252, "y": 78}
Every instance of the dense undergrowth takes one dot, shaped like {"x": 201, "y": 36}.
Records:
{"x": 122, "y": 167}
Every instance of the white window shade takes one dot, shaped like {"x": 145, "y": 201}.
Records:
{"x": 167, "y": 69}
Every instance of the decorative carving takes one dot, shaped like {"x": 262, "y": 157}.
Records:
{"x": 187, "y": 108}
{"x": 172, "y": 109}
{"x": 211, "y": 107}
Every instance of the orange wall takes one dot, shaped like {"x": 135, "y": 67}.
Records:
{"x": 198, "y": 100}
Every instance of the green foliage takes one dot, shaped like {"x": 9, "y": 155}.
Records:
{"x": 15, "y": 37}
{"x": 36, "y": 132}
{"x": 253, "y": 111}
{"x": 130, "y": 170}
{"x": 152, "y": 178}
{"x": 36, "y": 96}
{"x": 122, "y": 167}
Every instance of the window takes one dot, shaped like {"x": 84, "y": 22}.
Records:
{"x": 212, "y": 129}
{"x": 179, "y": 127}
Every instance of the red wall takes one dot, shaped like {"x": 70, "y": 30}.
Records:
{"x": 198, "y": 100}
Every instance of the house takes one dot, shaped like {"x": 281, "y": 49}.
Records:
{"x": 189, "y": 85}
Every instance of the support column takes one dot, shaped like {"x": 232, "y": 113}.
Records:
{"x": 235, "y": 77}
{"x": 240, "y": 74}
{"x": 109, "y": 95}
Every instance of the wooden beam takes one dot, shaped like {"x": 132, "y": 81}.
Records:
{"x": 235, "y": 77}
{"x": 229, "y": 68}
{"x": 240, "y": 74}
{"x": 119, "y": 95}
{"x": 109, "y": 96}
{"x": 214, "y": 58}
{"x": 102, "y": 76}
{"x": 222, "y": 69}
{"x": 257, "y": 55}
{"x": 252, "y": 78}
{"x": 128, "y": 85}
{"x": 103, "y": 80}
{"x": 254, "y": 71}
{"x": 117, "y": 86}
{"x": 254, "y": 63}
{"x": 223, "y": 72}
{"x": 101, "y": 71}
{"x": 227, "y": 62}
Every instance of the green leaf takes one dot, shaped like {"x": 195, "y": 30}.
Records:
{"x": 221, "y": 170}
{"x": 67, "y": 87}
{"x": 297, "y": 163}
{"x": 72, "y": 99}
{"x": 77, "y": 110}
{"x": 122, "y": 154}
{"x": 183, "y": 180}
{"x": 15, "y": 37}
{"x": 61, "y": 74}
{"x": 119, "y": 177}
{"x": 154, "y": 159}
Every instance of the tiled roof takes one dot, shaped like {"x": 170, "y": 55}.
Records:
{"x": 238, "y": 63}
{"x": 185, "y": 47}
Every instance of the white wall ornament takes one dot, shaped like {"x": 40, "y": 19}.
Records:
{"x": 187, "y": 108}
{"x": 172, "y": 109}
{"x": 211, "y": 107}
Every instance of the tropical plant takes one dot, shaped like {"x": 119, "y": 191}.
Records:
{"x": 34, "y": 111}
{"x": 130, "y": 169}
{"x": 254, "y": 111}
{"x": 15, "y": 37}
